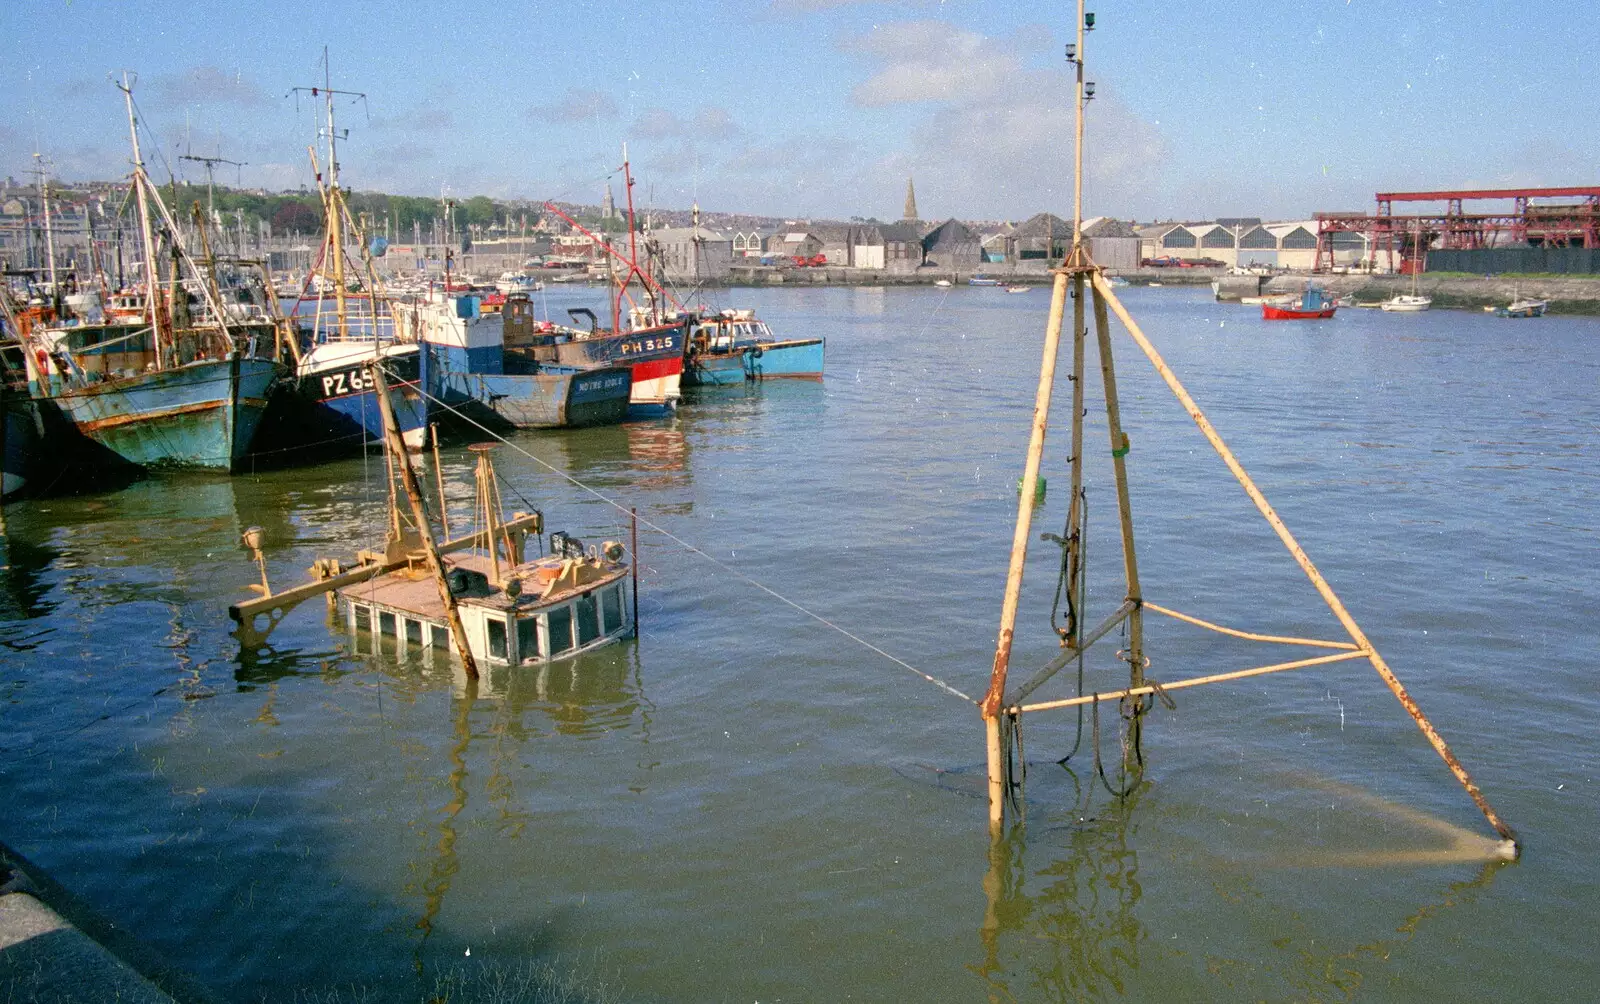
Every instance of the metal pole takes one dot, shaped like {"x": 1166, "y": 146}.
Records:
{"x": 1019, "y": 553}
{"x": 1103, "y": 289}
{"x": 1077, "y": 176}
{"x": 419, "y": 512}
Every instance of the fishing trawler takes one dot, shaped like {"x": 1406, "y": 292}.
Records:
{"x": 480, "y": 592}
{"x": 732, "y": 346}
{"x": 483, "y": 382}
{"x": 651, "y": 344}
{"x": 327, "y": 407}
{"x": 182, "y": 385}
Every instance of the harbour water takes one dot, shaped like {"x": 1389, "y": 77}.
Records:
{"x": 748, "y": 805}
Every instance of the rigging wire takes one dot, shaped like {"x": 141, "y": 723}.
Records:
{"x": 942, "y": 685}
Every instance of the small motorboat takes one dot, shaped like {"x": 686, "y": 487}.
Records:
{"x": 942, "y": 282}
{"x": 1018, "y": 289}
{"x": 1520, "y": 306}
{"x": 1314, "y": 304}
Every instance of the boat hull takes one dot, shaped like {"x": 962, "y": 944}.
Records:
{"x": 654, "y": 354}
{"x": 330, "y": 409}
{"x": 1529, "y": 310}
{"x": 1270, "y": 312}
{"x": 544, "y": 400}
{"x": 203, "y": 415}
{"x": 795, "y": 359}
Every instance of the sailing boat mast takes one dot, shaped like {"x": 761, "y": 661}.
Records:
{"x": 140, "y": 183}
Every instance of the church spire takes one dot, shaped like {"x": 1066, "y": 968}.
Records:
{"x": 911, "y": 201}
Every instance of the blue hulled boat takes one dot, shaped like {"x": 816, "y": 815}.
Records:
{"x": 468, "y": 368}
{"x": 653, "y": 352}
{"x": 733, "y": 346}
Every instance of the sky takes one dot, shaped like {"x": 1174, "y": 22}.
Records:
{"x": 823, "y": 108}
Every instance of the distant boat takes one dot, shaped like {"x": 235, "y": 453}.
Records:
{"x": 1412, "y": 302}
{"x": 1314, "y": 304}
{"x": 1282, "y": 299}
{"x": 1018, "y": 289}
{"x": 1406, "y": 303}
{"x": 942, "y": 282}
{"x": 982, "y": 280}
{"x": 1520, "y": 307}
{"x": 1118, "y": 280}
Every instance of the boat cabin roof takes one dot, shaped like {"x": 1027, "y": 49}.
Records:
{"x": 413, "y": 590}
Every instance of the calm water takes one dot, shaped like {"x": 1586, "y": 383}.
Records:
{"x": 745, "y": 805}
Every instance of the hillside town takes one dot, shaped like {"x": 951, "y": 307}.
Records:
{"x": 482, "y": 236}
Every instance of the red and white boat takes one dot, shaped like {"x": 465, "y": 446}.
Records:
{"x": 1314, "y": 304}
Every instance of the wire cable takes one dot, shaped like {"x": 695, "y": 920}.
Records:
{"x": 947, "y": 688}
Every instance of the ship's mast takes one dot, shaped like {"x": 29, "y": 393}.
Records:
{"x": 140, "y": 182}
{"x": 49, "y": 227}
{"x": 335, "y": 203}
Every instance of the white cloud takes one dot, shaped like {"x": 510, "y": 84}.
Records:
{"x": 931, "y": 61}
{"x": 997, "y": 137}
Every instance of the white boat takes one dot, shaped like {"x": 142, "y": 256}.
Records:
{"x": 1406, "y": 303}
{"x": 942, "y": 282}
{"x": 1017, "y": 289}
{"x": 1521, "y": 307}
{"x": 1412, "y": 302}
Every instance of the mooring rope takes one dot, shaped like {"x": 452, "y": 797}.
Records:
{"x": 947, "y": 688}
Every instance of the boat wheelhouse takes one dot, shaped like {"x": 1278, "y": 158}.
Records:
{"x": 535, "y": 612}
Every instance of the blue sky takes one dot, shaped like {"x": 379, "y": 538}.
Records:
{"x": 821, "y": 108}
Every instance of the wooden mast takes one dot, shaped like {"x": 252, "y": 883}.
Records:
{"x": 408, "y": 477}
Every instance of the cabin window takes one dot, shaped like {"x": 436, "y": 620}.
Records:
{"x": 438, "y": 637}
{"x": 497, "y": 637}
{"x": 413, "y": 632}
{"x": 611, "y": 606}
{"x": 361, "y": 616}
{"x": 560, "y": 630}
{"x": 588, "y": 619}
{"x": 528, "y": 639}
{"x": 386, "y": 623}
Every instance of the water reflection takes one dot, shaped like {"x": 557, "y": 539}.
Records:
{"x": 1083, "y": 910}
{"x": 1070, "y": 928}
{"x": 23, "y": 590}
